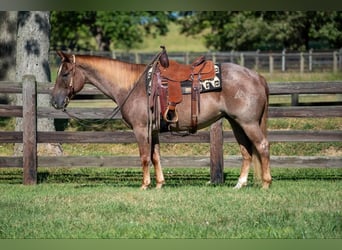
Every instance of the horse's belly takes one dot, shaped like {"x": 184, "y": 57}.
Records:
{"x": 208, "y": 112}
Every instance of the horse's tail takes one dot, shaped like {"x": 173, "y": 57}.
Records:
{"x": 256, "y": 159}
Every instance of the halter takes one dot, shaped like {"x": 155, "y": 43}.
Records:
{"x": 71, "y": 84}
{"x": 73, "y": 62}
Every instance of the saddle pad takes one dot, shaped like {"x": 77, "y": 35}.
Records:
{"x": 214, "y": 84}
{"x": 209, "y": 85}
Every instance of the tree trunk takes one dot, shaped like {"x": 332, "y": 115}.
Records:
{"x": 32, "y": 58}
{"x": 8, "y": 32}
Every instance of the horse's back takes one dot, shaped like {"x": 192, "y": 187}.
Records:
{"x": 233, "y": 73}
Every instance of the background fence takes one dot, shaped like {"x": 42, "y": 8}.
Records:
{"x": 279, "y": 61}
{"x": 30, "y": 136}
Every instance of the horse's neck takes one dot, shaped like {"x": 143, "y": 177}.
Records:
{"x": 113, "y": 78}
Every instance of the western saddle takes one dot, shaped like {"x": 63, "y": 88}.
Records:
{"x": 170, "y": 74}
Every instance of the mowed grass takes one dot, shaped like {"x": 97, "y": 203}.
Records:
{"x": 96, "y": 206}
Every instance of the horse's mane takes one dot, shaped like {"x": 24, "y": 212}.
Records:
{"x": 122, "y": 73}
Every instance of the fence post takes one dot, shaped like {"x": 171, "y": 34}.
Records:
{"x": 310, "y": 60}
{"x": 29, "y": 95}
{"x": 213, "y": 56}
{"x": 232, "y": 56}
{"x": 283, "y": 60}
{"x": 335, "y": 62}
{"x": 271, "y": 62}
{"x": 256, "y": 67}
{"x": 186, "y": 58}
{"x": 216, "y": 153}
{"x": 242, "y": 59}
{"x": 137, "y": 57}
{"x": 340, "y": 59}
{"x": 301, "y": 62}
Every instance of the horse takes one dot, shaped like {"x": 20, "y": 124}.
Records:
{"x": 243, "y": 101}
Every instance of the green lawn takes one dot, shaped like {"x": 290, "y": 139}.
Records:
{"x": 107, "y": 203}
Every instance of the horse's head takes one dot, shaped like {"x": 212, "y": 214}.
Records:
{"x": 69, "y": 81}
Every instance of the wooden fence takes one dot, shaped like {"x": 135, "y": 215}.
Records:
{"x": 276, "y": 61}
{"x": 30, "y": 137}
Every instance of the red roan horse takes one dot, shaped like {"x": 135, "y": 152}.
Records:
{"x": 243, "y": 101}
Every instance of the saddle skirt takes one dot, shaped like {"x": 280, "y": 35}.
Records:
{"x": 177, "y": 72}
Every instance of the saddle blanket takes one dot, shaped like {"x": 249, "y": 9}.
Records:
{"x": 205, "y": 85}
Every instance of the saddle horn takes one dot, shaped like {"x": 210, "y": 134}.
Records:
{"x": 164, "y": 59}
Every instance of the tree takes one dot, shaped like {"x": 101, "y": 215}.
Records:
{"x": 32, "y": 58}
{"x": 8, "y": 28}
{"x": 103, "y": 30}
{"x": 265, "y": 30}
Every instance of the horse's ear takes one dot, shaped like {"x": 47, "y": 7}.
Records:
{"x": 63, "y": 56}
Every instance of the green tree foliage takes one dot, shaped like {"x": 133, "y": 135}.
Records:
{"x": 103, "y": 30}
{"x": 265, "y": 30}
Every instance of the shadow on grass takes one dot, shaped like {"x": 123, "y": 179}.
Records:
{"x": 132, "y": 177}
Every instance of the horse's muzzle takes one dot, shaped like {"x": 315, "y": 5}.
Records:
{"x": 60, "y": 103}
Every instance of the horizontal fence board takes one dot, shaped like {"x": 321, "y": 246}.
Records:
{"x": 106, "y": 113}
{"x": 171, "y": 161}
{"x": 200, "y": 137}
{"x": 276, "y": 88}
{"x": 305, "y": 112}
{"x": 11, "y": 111}
{"x": 79, "y": 113}
{"x": 288, "y": 88}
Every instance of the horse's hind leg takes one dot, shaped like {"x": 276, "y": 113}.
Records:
{"x": 246, "y": 152}
{"x": 156, "y": 160}
{"x": 261, "y": 144}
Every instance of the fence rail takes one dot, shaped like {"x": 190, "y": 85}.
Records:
{"x": 282, "y": 61}
{"x": 30, "y": 136}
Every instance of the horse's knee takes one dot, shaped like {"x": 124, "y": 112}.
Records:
{"x": 264, "y": 148}
{"x": 145, "y": 161}
{"x": 156, "y": 159}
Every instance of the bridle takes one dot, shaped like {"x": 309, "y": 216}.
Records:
{"x": 73, "y": 71}
{"x": 73, "y": 63}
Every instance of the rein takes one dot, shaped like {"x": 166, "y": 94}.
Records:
{"x": 82, "y": 122}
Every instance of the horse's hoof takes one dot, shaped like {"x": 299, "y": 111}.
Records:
{"x": 159, "y": 185}
{"x": 240, "y": 185}
{"x": 144, "y": 187}
{"x": 266, "y": 185}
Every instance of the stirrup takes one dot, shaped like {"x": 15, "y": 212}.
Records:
{"x": 174, "y": 119}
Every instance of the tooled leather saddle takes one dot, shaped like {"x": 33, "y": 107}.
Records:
{"x": 170, "y": 74}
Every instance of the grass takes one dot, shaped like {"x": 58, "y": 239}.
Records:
{"x": 97, "y": 207}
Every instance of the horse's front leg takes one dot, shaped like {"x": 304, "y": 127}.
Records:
{"x": 145, "y": 155}
{"x": 156, "y": 160}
